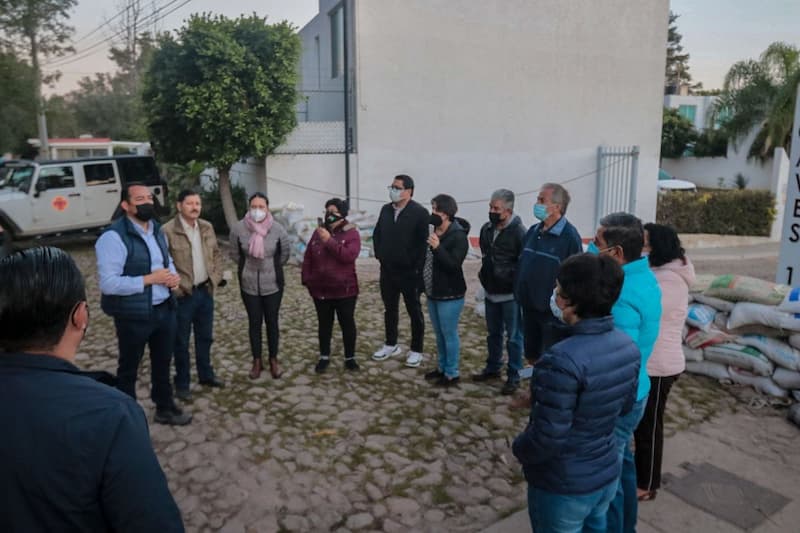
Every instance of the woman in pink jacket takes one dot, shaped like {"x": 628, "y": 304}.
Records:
{"x": 675, "y": 274}
{"x": 329, "y": 273}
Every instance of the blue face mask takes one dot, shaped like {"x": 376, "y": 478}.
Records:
{"x": 554, "y": 308}
{"x": 593, "y": 249}
{"x": 540, "y": 211}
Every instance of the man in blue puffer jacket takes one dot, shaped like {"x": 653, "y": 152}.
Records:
{"x": 637, "y": 313}
{"x": 580, "y": 388}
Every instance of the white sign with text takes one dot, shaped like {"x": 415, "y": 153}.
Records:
{"x": 789, "y": 259}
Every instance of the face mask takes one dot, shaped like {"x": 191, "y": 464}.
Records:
{"x": 593, "y": 249}
{"x": 494, "y": 218}
{"x": 145, "y": 212}
{"x": 540, "y": 211}
{"x": 395, "y": 195}
{"x": 331, "y": 219}
{"x": 435, "y": 220}
{"x": 554, "y": 308}
{"x": 258, "y": 214}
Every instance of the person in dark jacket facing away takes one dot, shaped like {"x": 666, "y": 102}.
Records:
{"x": 329, "y": 274}
{"x": 399, "y": 242}
{"x": 443, "y": 280}
{"x": 75, "y": 453}
{"x": 580, "y": 386}
{"x": 501, "y": 243}
{"x": 547, "y": 244}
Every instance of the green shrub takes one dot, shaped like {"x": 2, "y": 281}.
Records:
{"x": 212, "y": 206}
{"x": 723, "y": 212}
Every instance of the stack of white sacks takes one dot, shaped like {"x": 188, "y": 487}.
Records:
{"x": 301, "y": 228}
{"x": 747, "y": 331}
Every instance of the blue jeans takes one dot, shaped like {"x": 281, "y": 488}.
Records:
{"x": 444, "y": 318}
{"x": 159, "y": 334}
{"x": 500, "y": 317}
{"x": 195, "y": 310}
{"x": 625, "y": 505}
{"x": 569, "y": 513}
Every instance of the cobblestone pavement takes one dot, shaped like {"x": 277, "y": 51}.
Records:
{"x": 378, "y": 450}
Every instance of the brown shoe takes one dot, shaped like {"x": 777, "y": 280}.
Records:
{"x": 274, "y": 369}
{"x": 255, "y": 372}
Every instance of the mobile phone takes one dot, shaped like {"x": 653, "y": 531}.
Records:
{"x": 319, "y": 222}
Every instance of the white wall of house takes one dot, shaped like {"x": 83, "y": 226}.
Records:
{"x": 706, "y": 171}
{"x": 320, "y": 83}
{"x": 467, "y": 97}
{"x": 323, "y": 172}
{"x": 702, "y": 107}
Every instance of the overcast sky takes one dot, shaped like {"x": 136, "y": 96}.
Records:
{"x": 716, "y": 33}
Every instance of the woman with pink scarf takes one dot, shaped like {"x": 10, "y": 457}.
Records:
{"x": 260, "y": 246}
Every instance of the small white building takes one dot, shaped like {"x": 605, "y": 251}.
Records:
{"x": 88, "y": 146}
{"x": 468, "y": 97}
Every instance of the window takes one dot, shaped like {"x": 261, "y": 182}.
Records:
{"x": 688, "y": 112}
{"x": 56, "y": 178}
{"x": 337, "y": 42}
{"x": 99, "y": 174}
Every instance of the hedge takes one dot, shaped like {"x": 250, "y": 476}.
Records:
{"x": 722, "y": 212}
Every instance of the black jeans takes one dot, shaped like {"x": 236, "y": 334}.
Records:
{"x": 159, "y": 334}
{"x": 391, "y": 289}
{"x": 345, "y": 309}
{"x": 263, "y": 309}
{"x": 540, "y": 331}
{"x": 649, "y": 435}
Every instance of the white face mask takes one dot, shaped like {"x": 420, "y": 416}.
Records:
{"x": 554, "y": 308}
{"x": 258, "y": 214}
{"x": 395, "y": 195}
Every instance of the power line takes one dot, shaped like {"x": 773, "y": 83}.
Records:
{"x": 154, "y": 17}
{"x": 460, "y": 202}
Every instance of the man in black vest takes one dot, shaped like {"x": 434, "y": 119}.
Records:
{"x": 400, "y": 240}
{"x": 136, "y": 277}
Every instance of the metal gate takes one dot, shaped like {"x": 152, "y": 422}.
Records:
{"x": 617, "y": 172}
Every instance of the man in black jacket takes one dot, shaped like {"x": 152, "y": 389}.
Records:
{"x": 501, "y": 244}
{"x": 399, "y": 241}
{"x": 75, "y": 453}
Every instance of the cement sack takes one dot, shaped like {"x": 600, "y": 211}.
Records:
{"x": 794, "y": 340}
{"x": 788, "y": 379}
{"x": 697, "y": 338}
{"x": 745, "y": 357}
{"x": 721, "y": 323}
{"x": 745, "y": 313}
{"x": 701, "y": 316}
{"x": 692, "y": 354}
{"x": 776, "y": 351}
{"x": 794, "y": 414}
{"x": 702, "y": 282}
{"x": 708, "y": 369}
{"x": 717, "y": 303}
{"x": 762, "y": 384}
{"x": 292, "y": 213}
{"x": 791, "y": 302}
{"x": 746, "y": 289}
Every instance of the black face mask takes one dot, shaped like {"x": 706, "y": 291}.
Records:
{"x": 435, "y": 220}
{"x": 494, "y": 218}
{"x": 332, "y": 218}
{"x": 145, "y": 212}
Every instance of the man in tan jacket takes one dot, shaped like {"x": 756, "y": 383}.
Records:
{"x": 197, "y": 258}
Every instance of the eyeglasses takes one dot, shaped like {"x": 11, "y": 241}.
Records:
{"x": 393, "y": 188}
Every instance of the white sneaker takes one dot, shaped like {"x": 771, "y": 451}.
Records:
{"x": 414, "y": 359}
{"x": 386, "y": 352}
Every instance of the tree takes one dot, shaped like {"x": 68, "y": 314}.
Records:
{"x": 677, "y": 69}
{"x": 761, "y": 94}
{"x": 17, "y": 105}
{"x": 37, "y": 28}
{"x": 676, "y": 134}
{"x": 223, "y": 90}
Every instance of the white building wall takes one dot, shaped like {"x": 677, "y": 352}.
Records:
{"x": 320, "y": 176}
{"x": 467, "y": 97}
{"x": 324, "y": 94}
{"x": 703, "y": 105}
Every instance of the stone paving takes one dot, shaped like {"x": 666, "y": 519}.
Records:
{"x": 377, "y": 450}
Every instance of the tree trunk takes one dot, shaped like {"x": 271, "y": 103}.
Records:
{"x": 228, "y": 209}
{"x": 41, "y": 119}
